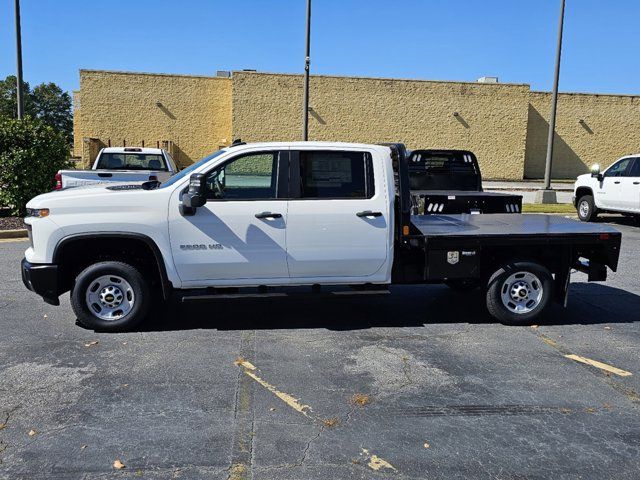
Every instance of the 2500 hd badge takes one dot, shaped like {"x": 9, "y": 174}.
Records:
{"x": 212, "y": 246}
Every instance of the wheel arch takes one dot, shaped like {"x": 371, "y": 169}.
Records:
{"x": 581, "y": 192}
{"x": 111, "y": 242}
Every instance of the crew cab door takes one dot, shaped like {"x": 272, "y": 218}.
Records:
{"x": 633, "y": 193}
{"x": 339, "y": 219}
{"x": 238, "y": 236}
{"x": 615, "y": 190}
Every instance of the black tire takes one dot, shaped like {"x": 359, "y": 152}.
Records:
{"x": 498, "y": 286}
{"x": 586, "y": 207}
{"x": 138, "y": 301}
{"x": 462, "y": 284}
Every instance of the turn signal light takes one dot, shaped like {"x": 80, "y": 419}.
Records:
{"x": 405, "y": 230}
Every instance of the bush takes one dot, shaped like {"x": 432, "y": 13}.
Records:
{"x": 31, "y": 153}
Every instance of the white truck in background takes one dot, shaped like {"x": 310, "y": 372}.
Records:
{"x": 121, "y": 165}
{"x": 617, "y": 189}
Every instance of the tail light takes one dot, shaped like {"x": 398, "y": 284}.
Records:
{"x": 58, "y": 181}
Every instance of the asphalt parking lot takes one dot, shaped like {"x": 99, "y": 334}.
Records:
{"x": 418, "y": 384}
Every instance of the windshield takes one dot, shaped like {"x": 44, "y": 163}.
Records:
{"x": 131, "y": 161}
{"x": 187, "y": 171}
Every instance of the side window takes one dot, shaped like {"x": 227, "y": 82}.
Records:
{"x": 249, "y": 177}
{"x": 337, "y": 175}
{"x": 619, "y": 169}
{"x": 635, "y": 168}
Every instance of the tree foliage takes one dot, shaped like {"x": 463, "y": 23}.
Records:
{"x": 31, "y": 153}
{"x": 47, "y": 102}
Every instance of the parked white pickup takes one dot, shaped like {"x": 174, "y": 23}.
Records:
{"x": 121, "y": 165}
{"x": 615, "y": 190}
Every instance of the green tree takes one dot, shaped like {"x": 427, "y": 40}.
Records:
{"x": 31, "y": 153}
{"x": 53, "y": 106}
{"x": 46, "y": 101}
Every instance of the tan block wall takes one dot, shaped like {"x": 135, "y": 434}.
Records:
{"x": 195, "y": 112}
{"x": 492, "y": 118}
{"x": 611, "y": 129}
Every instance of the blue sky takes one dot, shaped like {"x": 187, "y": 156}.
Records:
{"x": 421, "y": 39}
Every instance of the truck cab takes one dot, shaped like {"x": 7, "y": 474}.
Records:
{"x": 257, "y": 219}
{"x": 617, "y": 189}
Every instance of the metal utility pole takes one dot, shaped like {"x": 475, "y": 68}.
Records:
{"x": 548, "y": 195}
{"x": 307, "y": 63}
{"x": 19, "y": 62}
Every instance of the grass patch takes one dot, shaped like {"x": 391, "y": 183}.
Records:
{"x": 548, "y": 208}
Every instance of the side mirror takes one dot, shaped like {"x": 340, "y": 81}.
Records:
{"x": 595, "y": 170}
{"x": 196, "y": 196}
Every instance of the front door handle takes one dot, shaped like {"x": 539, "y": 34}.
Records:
{"x": 636, "y": 183}
{"x": 105, "y": 175}
{"x": 617, "y": 182}
{"x": 369, "y": 213}
{"x": 268, "y": 215}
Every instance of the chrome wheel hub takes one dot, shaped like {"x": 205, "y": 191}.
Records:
{"x": 584, "y": 209}
{"x": 110, "y": 297}
{"x": 521, "y": 292}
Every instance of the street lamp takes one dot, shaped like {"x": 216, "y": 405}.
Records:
{"x": 307, "y": 63}
{"x": 548, "y": 194}
{"x": 19, "y": 62}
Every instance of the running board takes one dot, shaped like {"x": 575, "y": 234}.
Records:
{"x": 233, "y": 296}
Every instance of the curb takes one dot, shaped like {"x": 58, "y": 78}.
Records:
{"x": 19, "y": 233}
{"x": 524, "y": 189}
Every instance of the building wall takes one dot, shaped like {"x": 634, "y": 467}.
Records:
{"x": 193, "y": 112}
{"x": 610, "y": 128}
{"x": 491, "y": 118}
{"x": 506, "y": 125}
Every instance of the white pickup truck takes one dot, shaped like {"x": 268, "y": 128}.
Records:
{"x": 121, "y": 165}
{"x": 330, "y": 218}
{"x": 615, "y": 190}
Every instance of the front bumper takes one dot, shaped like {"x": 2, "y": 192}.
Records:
{"x": 41, "y": 279}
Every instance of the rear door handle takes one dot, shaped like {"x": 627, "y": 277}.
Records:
{"x": 636, "y": 183}
{"x": 617, "y": 182}
{"x": 104, "y": 175}
{"x": 369, "y": 213}
{"x": 268, "y": 215}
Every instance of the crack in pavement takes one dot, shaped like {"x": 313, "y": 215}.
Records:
{"x": 244, "y": 417}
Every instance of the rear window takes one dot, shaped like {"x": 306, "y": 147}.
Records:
{"x": 131, "y": 161}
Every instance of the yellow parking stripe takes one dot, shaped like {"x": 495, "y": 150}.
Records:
{"x": 600, "y": 365}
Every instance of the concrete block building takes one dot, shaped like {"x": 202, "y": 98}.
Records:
{"x": 505, "y": 125}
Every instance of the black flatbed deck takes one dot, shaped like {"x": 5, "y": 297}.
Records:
{"x": 537, "y": 227}
{"x": 462, "y": 193}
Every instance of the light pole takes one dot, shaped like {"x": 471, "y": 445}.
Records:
{"x": 307, "y": 63}
{"x": 547, "y": 194}
{"x": 19, "y": 62}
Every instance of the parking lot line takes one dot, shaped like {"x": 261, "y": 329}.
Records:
{"x": 249, "y": 369}
{"x": 600, "y": 365}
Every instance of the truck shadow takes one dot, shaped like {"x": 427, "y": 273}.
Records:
{"x": 409, "y": 306}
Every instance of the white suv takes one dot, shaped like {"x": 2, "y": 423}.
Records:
{"x": 615, "y": 190}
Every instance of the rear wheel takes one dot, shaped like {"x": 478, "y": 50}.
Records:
{"x": 519, "y": 292}
{"x": 586, "y": 207}
{"x": 110, "y": 296}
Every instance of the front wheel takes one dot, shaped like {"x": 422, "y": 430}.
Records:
{"x": 519, "y": 292}
{"x": 110, "y": 296}
{"x": 586, "y": 207}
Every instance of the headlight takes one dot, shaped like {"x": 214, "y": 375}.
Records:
{"x": 37, "y": 212}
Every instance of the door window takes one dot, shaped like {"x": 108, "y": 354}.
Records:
{"x": 619, "y": 169}
{"x": 249, "y": 177}
{"x": 634, "y": 171}
{"x": 336, "y": 175}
